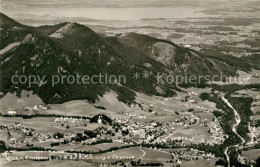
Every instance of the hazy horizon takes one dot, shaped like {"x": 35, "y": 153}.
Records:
{"x": 11, "y": 4}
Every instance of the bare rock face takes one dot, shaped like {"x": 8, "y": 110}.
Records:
{"x": 63, "y": 30}
{"x": 28, "y": 38}
{"x": 163, "y": 52}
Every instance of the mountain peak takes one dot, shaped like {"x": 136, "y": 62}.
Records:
{"x": 63, "y": 30}
{"x": 7, "y": 22}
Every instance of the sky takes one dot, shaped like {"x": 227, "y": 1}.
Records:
{"x": 7, "y": 4}
{"x": 44, "y": 11}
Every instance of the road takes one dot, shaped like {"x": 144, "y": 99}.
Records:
{"x": 144, "y": 153}
{"x": 234, "y": 128}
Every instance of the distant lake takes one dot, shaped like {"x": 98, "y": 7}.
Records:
{"x": 109, "y": 13}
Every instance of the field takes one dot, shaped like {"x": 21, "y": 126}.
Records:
{"x": 92, "y": 148}
{"x": 84, "y": 108}
{"x": 48, "y": 125}
{"x": 200, "y": 163}
{"x": 199, "y": 133}
{"x": 255, "y": 117}
{"x": 251, "y": 154}
{"x": 156, "y": 156}
{"x": 56, "y": 163}
{"x": 44, "y": 125}
{"x": 11, "y": 101}
{"x": 125, "y": 155}
{"x": 168, "y": 106}
{"x": 111, "y": 102}
{"x": 74, "y": 108}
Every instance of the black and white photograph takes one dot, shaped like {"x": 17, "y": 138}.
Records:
{"x": 129, "y": 83}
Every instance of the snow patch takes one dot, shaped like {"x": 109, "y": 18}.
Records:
{"x": 9, "y": 47}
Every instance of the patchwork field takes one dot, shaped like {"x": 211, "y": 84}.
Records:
{"x": 74, "y": 108}
{"x": 56, "y": 163}
{"x": 200, "y": 163}
{"x": 126, "y": 155}
{"x": 198, "y": 133}
{"x": 11, "y": 101}
{"x": 251, "y": 154}
{"x": 156, "y": 156}
{"x": 92, "y": 148}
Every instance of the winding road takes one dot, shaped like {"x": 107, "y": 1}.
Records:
{"x": 234, "y": 128}
{"x": 144, "y": 153}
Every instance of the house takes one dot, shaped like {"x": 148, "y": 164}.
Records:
{"x": 11, "y": 112}
{"x": 187, "y": 46}
{"x": 13, "y": 140}
{"x": 192, "y": 101}
{"x": 35, "y": 107}
{"x": 118, "y": 140}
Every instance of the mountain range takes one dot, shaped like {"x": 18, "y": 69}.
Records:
{"x": 72, "y": 48}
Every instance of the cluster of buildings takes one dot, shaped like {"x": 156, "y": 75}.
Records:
{"x": 217, "y": 133}
{"x": 141, "y": 131}
{"x": 70, "y": 120}
{"x": 254, "y": 134}
{"x": 34, "y": 109}
{"x": 19, "y": 126}
{"x": 154, "y": 132}
{"x": 189, "y": 155}
{"x": 132, "y": 129}
{"x": 24, "y": 135}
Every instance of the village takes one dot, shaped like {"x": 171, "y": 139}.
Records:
{"x": 129, "y": 130}
{"x": 43, "y": 134}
